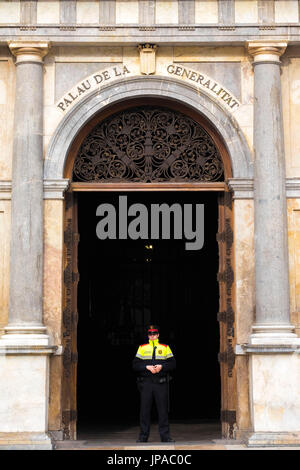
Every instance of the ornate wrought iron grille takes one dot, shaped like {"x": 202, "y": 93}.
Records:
{"x": 148, "y": 144}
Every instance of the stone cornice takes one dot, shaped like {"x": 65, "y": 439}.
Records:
{"x": 27, "y": 349}
{"x": 5, "y": 190}
{"x": 293, "y": 187}
{"x": 198, "y": 34}
{"x": 242, "y": 188}
{"x": 243, "y": 349}
{"x": 53, "y": 189}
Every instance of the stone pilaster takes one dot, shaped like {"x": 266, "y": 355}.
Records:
{"x": 271, "y": 242}
{"x": 24, "y": 377}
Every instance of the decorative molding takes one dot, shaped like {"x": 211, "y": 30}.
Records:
{"x": 54, "y": 189}
{"x": 67, "y": 27}
{"x": 226, "y": 28}
{"x": 141, "y": 86}
{"x": 147, "y": 28}
{"x": 153, "y": 155}
{"x": 244, "y": 349}
{"x": 242, "y": 188}
{"x": 107, "y": 28}
{"x": 26, "y": 27}
{"x": 24, "y": 350}
{"x": 266, "y": 27}
{"x": 186, "y": 28}
{"x": 5, "y": 190}
{"x": 293, "y": 188}
{"x": 88, "y": 35}
{"x": 26, "y": 339}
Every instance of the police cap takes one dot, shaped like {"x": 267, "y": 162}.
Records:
{"x": 152, "y": 329}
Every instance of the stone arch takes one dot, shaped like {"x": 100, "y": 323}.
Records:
{"x": 158, "y": 87}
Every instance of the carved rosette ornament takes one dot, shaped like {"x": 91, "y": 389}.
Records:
{"x": 148, "y": 144}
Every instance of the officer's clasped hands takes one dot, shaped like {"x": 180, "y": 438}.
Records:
{"x": 154, "y": 369}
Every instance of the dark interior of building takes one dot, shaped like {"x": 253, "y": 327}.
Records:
{"x": 126, "y": 284}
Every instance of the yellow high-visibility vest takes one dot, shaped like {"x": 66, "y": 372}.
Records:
{"x": 162, "y": 352}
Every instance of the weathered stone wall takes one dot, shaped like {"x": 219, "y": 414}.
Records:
{"x": 66, "y": 65}
{"x": 7, "y": 98}
{"x": 153, "y": 11}
{"x": 53, "y": 286}
{"x": 294, "y": 260}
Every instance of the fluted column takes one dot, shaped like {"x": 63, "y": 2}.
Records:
{"x": 271, "y": 241}
{"x": 26, "y": 251}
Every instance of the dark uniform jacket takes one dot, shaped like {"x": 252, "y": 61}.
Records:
{"x": 144, "y": 357}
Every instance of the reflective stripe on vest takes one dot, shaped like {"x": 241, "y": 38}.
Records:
{"x": 162, "y": 352}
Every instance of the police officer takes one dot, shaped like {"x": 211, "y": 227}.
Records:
{"x": 152, "y": 362}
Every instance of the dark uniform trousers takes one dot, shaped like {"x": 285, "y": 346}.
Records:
{"x": 154, "y": 385}
{"x": 159, "y": 391}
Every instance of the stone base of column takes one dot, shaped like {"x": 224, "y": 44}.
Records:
{"x": 274, "y": 394}
{"x": 25, "y": 441}
{"x": 24, "y": 335}
{"x": 24, "y": 384}
{"x": 274, "y": 334}
{"x": 276, "y": 439}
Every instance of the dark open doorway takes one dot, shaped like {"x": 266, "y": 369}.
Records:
{"x": 124, "y": 284}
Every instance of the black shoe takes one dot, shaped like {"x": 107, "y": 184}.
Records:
{"x": 142, "y": 439}
{"x": 167, "y": 439}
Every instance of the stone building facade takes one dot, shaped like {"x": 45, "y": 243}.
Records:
{"x": 236, "y": 64}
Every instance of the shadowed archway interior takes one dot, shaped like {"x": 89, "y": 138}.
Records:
{"x": 124, "y": 285}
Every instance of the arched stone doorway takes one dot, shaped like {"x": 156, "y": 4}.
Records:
{"x": 196, "y": 160}
{"x": 223, "y": 123}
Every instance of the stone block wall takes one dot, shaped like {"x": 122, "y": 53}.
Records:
{"x": 149, "y": 11}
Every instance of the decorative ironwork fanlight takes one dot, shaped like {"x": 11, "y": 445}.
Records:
{"x": 148, "y": 144}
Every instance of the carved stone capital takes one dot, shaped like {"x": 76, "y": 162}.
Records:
{"x": 147, "y": 58}
{"x": 267, "y": 52}
{"x": 29, "y": 51}
{"x": 54, "y": 189}
{"x": 242, "y": 188}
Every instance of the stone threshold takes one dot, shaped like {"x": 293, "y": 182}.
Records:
{"x": 92, "y": 445}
